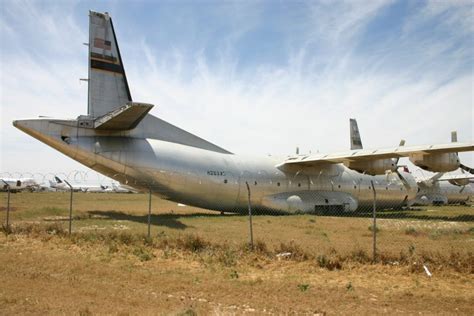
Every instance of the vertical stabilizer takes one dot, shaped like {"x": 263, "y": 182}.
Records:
{"x": 454, "y": 137}
{"x": 108, "y": 87}
{"x": 356, "y": 142}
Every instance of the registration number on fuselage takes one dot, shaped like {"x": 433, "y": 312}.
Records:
{"x": 215, "y": 173}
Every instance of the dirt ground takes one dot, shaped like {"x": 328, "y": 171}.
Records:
{"x": 103, "y": 269}
{"x": 55, "y": 277}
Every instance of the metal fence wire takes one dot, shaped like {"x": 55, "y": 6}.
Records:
{"x": 374, "y": 224}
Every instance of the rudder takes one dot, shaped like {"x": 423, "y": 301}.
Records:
{"x": 108, "y": 86}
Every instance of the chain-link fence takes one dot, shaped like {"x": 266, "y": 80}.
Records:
{"x": 329, "y": 225}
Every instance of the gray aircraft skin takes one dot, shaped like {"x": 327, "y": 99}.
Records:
{"x": 119, "y": 139}
{"x": 445, "y": 189}
{"x": 442, "y": 193}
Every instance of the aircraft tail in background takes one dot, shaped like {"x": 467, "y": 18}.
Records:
{"x": 356, "y": 142}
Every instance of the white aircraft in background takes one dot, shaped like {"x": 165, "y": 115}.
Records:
{"x": 120, "y": 188}
{"x": 60, "y": 185}
{"x": 442, "y": 189}
{"x": 18, "y": 184}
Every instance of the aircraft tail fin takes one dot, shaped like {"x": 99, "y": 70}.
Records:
{"x": 356, "y": 142}
{"x": 108, "y": 86}
{"x": 58, "y": 180}
{"x": 454, "y": 137}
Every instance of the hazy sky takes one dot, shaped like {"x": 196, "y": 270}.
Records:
{"x": 254, "y": 77}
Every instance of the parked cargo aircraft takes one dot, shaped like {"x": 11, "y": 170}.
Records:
{"x": 441, "y": 188}
{"x": 119, "y": 139}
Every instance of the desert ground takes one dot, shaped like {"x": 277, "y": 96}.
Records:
{"x": 199, "y": 262}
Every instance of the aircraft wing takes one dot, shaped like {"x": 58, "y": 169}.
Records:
{"x": 319, "y": 160}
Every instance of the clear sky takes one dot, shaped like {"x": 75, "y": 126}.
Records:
{"x": 254, "y": 77}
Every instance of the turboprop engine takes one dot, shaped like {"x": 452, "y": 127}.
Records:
{"x": 443, "y": 162}
{"x": 373, "y": 167}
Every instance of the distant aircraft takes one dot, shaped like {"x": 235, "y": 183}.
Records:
{"x": 438, "y": 190}
{"x": 120, "y": 188}
{"x": 60, "y": 185}
{"x": 18, "y": 184}
{"x": 443, "y": 189}
{"x": 119, "y": 139}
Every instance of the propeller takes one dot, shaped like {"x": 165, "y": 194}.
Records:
{"x": 400, "y": 176}
{"x": 466, "y": 168}
{"x": 454, "y": 139}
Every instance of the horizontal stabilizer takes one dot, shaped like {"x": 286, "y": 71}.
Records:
{"x": 124, "y": 118}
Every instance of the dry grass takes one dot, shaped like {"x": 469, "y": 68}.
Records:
{"x": 198, "y": 261}
{"x": 229, "y": 254}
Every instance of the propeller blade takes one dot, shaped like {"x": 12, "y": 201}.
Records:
{"x": 466, "y": 168}
{"x": 404, "y": 181}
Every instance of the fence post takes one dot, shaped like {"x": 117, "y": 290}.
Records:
{"x": 149, "y": 213}
{"x": 250, "y": 216}
{"x": 8, "y": 208}
{"x": 374, "y": 224}
{"x": 70, "y": 207}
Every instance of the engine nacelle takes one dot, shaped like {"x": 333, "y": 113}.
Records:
{"x": 459, "y": 182}
{"x": 373, "y": 167}
{"x": 444, "y": 162}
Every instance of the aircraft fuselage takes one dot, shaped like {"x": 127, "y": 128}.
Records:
{"x": 217, "y": 180}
